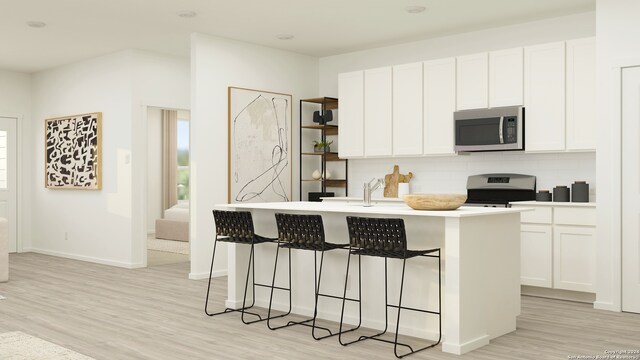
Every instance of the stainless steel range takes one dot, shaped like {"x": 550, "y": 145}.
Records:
{"x": 498, "y": 190}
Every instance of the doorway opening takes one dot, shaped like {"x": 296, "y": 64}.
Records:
{"x": 8, "y": 179}
{"x": 168, "y": 176}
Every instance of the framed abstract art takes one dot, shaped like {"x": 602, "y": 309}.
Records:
{"x": 72, "y": 152}
{"x": 259, "y": 146}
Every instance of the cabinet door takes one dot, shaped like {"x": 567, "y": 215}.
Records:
{"x": 439, "y": 105}
{"x": 377, "y": 112}
{"x": 544, "y": 97}
{"x": 574, "y": 262}
{"x": 506, "y": 78}
{"x": 581, "y": 94}
{"x": 351, "y": 119}
{"x": 473, "y": 81}
{"x": 407, "y": 109}
{"x": 536, "y": 252}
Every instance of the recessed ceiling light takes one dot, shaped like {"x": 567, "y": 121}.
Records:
{"x": 285, "y": 36}
{"x": 36, "y": 24}
{"x": 415, "y": 9}
{"x": 187, "y": 14}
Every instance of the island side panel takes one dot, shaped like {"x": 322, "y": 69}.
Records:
{"x": 482, "y": 290}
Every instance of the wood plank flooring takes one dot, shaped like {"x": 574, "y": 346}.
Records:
{"x": 156, "y": 313}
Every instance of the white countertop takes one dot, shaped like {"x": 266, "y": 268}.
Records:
{"x": 553, "y": 203}
{"x": 357, "y": 208}
{"x": 353, "y": 198}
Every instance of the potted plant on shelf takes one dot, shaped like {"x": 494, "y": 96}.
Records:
{"x": 322, "y": 146}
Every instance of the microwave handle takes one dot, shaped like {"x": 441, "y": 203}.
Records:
{"x": 500, "y": 131}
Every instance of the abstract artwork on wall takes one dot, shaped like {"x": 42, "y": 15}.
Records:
{"x": 72, "y": 152}
{"x": 259, "y": 146}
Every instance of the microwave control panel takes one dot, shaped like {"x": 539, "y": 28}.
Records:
{"x": 510, "y": 130}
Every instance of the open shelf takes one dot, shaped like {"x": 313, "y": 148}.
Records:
{"x": 323, "y": 105}
{"x": 328, "y": 129}
{"x": 329, "y": 156}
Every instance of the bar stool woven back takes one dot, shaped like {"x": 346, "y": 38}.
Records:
{"x": 377, "y": 235}
{"x": 304, "y": 231}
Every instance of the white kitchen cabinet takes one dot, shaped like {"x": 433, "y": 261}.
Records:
{"x": 407, "y": 109}
{"x": 351, "y": 94}
{"x": 472, "y": 81}
{"x": 574, "y": 258}
{"x": 439, "y": 105}
{"x": 378, "y": 112}
{"x": 581, "y": 94}
{"x": 536, "y": 247}
{"x": 544, "y": 97}
{"x": 506, "y": 78}
{"x": 558, "y": 245}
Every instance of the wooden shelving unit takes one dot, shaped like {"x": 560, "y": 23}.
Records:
{"x": 324, "y": 104}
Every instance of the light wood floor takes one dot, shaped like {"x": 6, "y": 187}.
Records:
{"x": 156, "y": 313}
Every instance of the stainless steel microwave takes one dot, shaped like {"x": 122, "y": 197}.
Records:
{"x": 494, "y": 129}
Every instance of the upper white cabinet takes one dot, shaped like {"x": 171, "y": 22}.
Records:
{"x": 473, "y": 81}
{"x": 351, "y": 94}
{"x": 506, "y": 78}
{"x": 581, "y": 94}
{"x": 439, "y": 105}
{"x": 377, "y": 112}
{"x": 407, "y": 109}
{"x": 544, "y": 97}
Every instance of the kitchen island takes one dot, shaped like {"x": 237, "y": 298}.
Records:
{"x": 481, "y": 270}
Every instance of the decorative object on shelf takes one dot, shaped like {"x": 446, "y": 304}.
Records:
{"x": 316, "y": 196}
{"x": 435, "y": 201}
{"x": 322, "y": 146}
{"x": 580, "y": 191}
{"x": 392, "y": 180}
{"x": 322, "y": 119}
{"x": 259, "y": 152}
{"x": 561, "y": 194}
{"x": 316, "y": 175}
{"x": 543, "y": 195}
{"x": 73, "y": 153}
{"x": 403, "y": 189}
{"x": 326, "y": 175}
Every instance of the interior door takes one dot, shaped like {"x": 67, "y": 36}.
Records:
{"x": 631, "y": 189}
{"x": 8, "y": 193}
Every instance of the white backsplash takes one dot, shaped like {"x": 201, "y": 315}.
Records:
{"x": 448, "y": 174}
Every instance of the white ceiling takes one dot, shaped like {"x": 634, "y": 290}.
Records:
{"x": 79, "y": 29}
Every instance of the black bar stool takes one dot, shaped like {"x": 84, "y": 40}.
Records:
{"x": 306, "y": 232}
{"x": 387, "y": 238}
{"x": 237, "y": 227}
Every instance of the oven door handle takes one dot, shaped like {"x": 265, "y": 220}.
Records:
{"x": 500, "y": 130}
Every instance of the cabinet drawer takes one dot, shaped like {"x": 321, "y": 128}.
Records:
{"x": 575, "y": 216}
{"x": 539, "y": 215}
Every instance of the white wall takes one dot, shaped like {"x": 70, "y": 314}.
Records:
{"x": 217, "y": 64}
{"x": 618, "y": 31}
{"x": 154, "y": 167}
{"x": 448, "y": 174}
{"x": 15, "y": 101}
{"x": 104, "y": 226}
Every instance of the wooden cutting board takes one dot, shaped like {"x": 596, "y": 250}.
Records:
{"x": 391, "y": 181}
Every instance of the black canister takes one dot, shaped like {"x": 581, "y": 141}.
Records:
{"x": 561, "y": 194}
{"x": 543, "y": 195}
{"x": 580, "y": 191}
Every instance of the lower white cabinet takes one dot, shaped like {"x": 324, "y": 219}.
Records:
{"x": 536, "y": 249}
{"x": 558, "y": 247}
{"x": 574, "y": 260}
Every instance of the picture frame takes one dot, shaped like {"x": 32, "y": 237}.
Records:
{"x": 259, "y": 146}
{"x": 73, "y": 152}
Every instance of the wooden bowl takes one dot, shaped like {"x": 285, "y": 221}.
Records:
{"x": 435, "y": 201}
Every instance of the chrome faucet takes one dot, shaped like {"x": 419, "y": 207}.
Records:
{"x": 370, "y": 187}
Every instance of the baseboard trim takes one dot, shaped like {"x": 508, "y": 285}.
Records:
{"x": 205, "y": 275}
{"x": 608, "y": 306}
{"x": 459, "y": 349}
{"x": 90, "y": 259}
